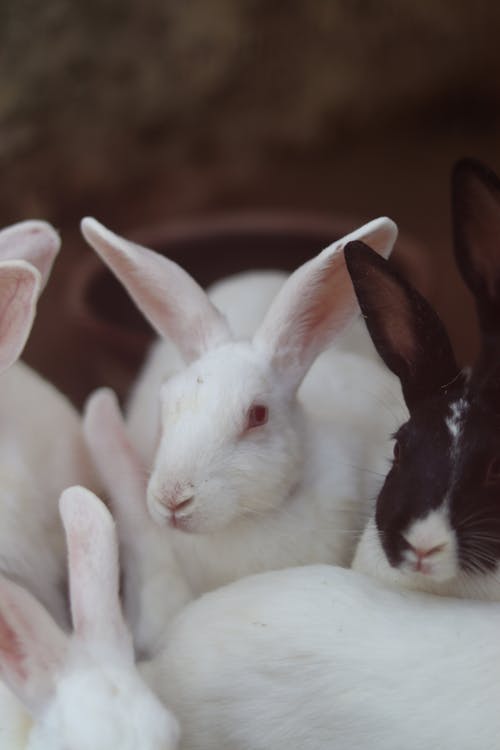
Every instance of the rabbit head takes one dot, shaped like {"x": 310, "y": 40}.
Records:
{"x": 232, "y": 438}
{"x": 437, "y": 516}
{"x": 83, "y": 691}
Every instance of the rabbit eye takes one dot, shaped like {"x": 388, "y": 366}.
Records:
{"x": 257, "y": 416}
{"x": 493, "y": 473}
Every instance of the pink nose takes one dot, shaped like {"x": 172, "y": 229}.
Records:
{"x": 423, "y": 564}
{"x": 422, "y": 553}
{"x": 176, "y": 503}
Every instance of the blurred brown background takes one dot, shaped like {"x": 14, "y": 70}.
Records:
{"x": 142, "y": 112}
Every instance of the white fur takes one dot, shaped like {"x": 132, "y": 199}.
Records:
{"x": 153, "y": 584}
{"x": 371, "y": 559}
{"x": 81, "y": 692}
{"x": 434, "y": 536}
{"x": 294, "y": 490}
{"x": 41, "y": 444}
{"x": 454, "y": 423}
{"x": 157, "y": 583}
{"x": 41, "y": 453}
{"x": 320, "y": 657}
{"x": 100, "y": 707}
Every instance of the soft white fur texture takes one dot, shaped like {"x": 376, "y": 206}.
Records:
{"x": 41, "y": 443}
{"x": 296, "y": 490}
{"x": 153, "y": 586}
{"x": 80, "y": 692}
{"x": 321, "y": 657}
{"x": 371, "y": 559}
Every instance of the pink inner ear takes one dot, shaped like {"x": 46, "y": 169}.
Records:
{"x": 19, "y": 286}
{"x": 11, "y": 651}
{"x": 34, "y": 241}
{"x": 80, "y": 550}
{"x": 317, "y": 312}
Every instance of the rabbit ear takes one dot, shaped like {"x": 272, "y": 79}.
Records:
{"x": 117, "y": 463}
{"x": 153, "y": 585}
{"x": 404, "y": 328}
{"x": 170, "y": 299}
{"x": 32, "y": 648}
{"x": 315, "y": 304}
{"x": 36, "y": 242}
{"x": 93, "y": 572}
{"x": 19, "y": 290}
{"x": 476, "y": 228}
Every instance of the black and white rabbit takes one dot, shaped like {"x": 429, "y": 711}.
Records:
{"x": 437, "y": 520}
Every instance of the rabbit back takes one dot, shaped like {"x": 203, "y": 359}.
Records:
{"x": 320, "y": 657}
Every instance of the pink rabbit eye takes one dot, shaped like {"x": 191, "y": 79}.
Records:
{"x": 257, "y": 416}
{"x": 493, "y": 473}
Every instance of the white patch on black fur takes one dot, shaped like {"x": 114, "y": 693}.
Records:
{"x": 455, "y": 421}
{"x": 433, "y": 532}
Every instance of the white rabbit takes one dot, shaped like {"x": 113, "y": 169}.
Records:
{"x": 155, "y": 586}
{"x": 322, "y": 657}
{"x": 79, "y": 692}
{"x": 248, "y": 476}
{"x": 41, "y": 443}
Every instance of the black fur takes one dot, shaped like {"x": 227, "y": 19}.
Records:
{"x": 475, "y": 193}
{"x": 434, "y": 467}
{"x": 406, "y": 331}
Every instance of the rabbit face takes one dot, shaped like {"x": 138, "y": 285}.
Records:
{"x": 417, "y": 502}
{"x": 231, "y": 442}
{"x": 438, "y": 513}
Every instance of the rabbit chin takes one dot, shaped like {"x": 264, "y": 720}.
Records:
{"x": 438, "y": 570}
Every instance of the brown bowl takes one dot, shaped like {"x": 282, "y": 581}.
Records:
{"x": 112, "y": 335}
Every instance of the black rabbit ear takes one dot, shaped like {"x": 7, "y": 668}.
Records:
{"x": 404, "y": 328}
{"x": 476, "y": 230}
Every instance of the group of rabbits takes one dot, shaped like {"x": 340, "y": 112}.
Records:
{"x": 274, "y": 438}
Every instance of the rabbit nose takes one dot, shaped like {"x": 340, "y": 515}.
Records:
{"x": 423, "y": 553}
{"x": 177, "y": 503}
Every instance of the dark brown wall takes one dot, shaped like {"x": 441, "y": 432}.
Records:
{"x": 141, "y": 112}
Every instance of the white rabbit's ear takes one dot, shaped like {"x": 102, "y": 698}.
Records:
{"x": 19, "y": 290}
{"x": 32, "y": 647}
{"x": 36, "y": 242}
{"x": 121, "y": 471}
{"x": 153, "y": 586}
{"x": 315, "y": 304}
{"x": 175, "y": 305}
{"x": 94, "y": 573}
